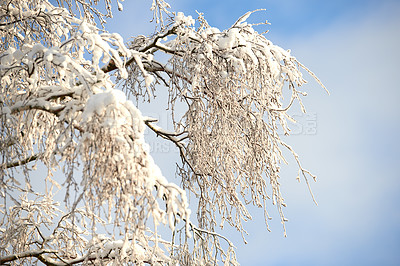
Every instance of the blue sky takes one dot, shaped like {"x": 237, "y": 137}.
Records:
{"x": 353, "y": 146}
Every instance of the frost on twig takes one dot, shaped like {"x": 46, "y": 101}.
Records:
{"x": 103, "y": 199}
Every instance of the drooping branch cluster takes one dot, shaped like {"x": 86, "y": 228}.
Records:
{"x": 237, "y": 78}
{"x": 233, "y": 84}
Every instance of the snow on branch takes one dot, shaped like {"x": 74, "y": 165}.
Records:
{"x": 61, "y": 108}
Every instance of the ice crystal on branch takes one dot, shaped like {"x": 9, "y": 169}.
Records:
{"x": 103, "y": 199}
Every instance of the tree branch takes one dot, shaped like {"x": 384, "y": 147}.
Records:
{"x": 111, "y": 65}
{"x": 154, "y": 66}
{"x": 39, "y": 254}
{"x": 172, "y": 137}
{"x": 21, "y": 162}
{"x": 26, "y": 254}
{"x": 20, "y": 106}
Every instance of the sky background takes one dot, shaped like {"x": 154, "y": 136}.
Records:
{"x": 349, "y": 139}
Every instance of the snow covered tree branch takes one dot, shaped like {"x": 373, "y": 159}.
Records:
{"x": 103, "y": 198}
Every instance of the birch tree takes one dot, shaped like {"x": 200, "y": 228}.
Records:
{"x": 64, "y": 108}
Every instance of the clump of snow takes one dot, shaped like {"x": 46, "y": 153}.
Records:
{"x": 230, "y": 39}
{"x": 148, "y": 80}
{"x": 180, "y": 18}
{"x": 104, "y": 104}
{"x": 209, "y": 31}
{"x": 97, "y": 103}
